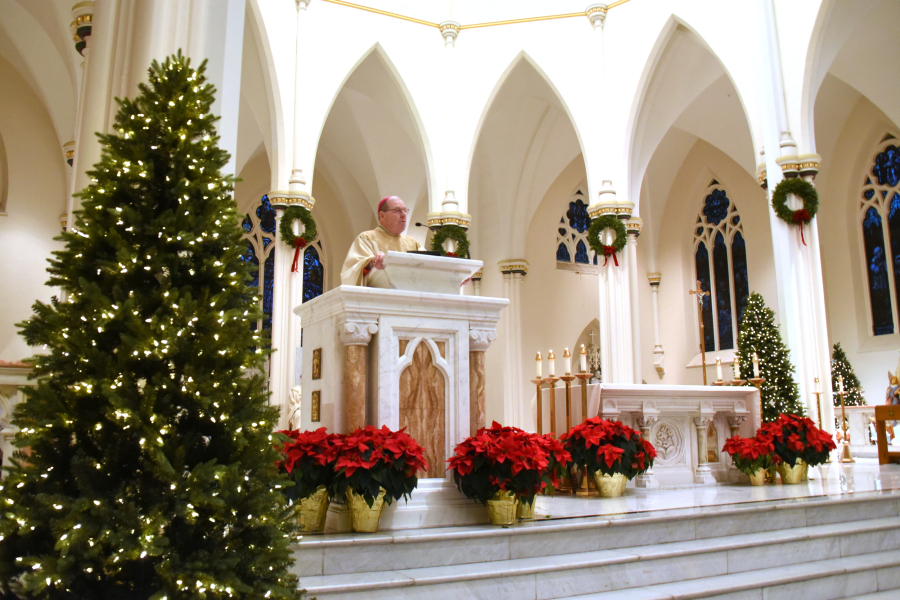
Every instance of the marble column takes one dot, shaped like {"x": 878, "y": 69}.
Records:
{"x": 800, "y": 302}
{"x": 479, "y": 341}
{"x": 476, "y": 283}
{"x": 659, "y": 355}
{"x": 703, "y": 473}
{"x": 633, "y": 227}
{"x": 648, "y": 478}
{"x": 355, "y": 335}
{"x": 516, "y": 411}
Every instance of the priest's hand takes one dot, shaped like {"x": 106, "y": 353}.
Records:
{"x": 378, "y": 261}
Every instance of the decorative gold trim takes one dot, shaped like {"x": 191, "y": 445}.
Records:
{"x": 634, "y": 225}
{"x": 448, "y": 218}
{"x": 285, "y": 199}
{"x": 82, "y": 19}
{"x": 478, "y": 275}
{"x": 315, "y": 407}
{"x": 654, "y": 278}
{"x": 385, "y": 13}
{"x": 513, "y": 266}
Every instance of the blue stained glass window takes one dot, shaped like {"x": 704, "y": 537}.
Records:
{"x": 247, "y": 224}
{"x": 876, "y": 265}
{"x": 741, "y": 282}
{"x": 578, "y": 216}
{"x": 581, "y": 254}
{"x": 268, "y": 292}
{"x": 702, "y": 261}
{"x": 894, "y": 229}
{"x": 887, "y": 166}
{"x": 562, "y": 254}
{"x": 595, "y": 259}
{"x": 716, "y": 207}
{"x": 266, "y": 215}
{"x": 736, "y": 219}
{"x": 868, "y": 194}
{"x": 699, "y": 231}
{"x": 313, "y": 274}
{"x": 562, "y": 232}
{"x": 723, "y": 293}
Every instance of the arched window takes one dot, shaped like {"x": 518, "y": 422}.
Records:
{"x": 313, "y": 271}
{"x": 259, "y": 233}
{"x": 573, "y": 253}
{"x": 879, "y": 216}
{"x": 720, "y": 265}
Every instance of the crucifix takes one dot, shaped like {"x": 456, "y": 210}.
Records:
{"x": 593, "y": 334}
{"x": 700, "y": 293}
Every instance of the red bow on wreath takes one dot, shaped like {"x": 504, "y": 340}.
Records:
{"x": 607, "y": 252}
{"x": 299, "y": 243}
{"x": 801, "y": 217}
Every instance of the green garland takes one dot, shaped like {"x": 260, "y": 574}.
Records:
{"x": 803, "y": 190}
{"x": 452, "y": 232}
{"x": 291, "y": 214}
{"x": 598, "y": 226}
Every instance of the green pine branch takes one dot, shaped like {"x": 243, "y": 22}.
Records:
{"x": 840, "y": 366}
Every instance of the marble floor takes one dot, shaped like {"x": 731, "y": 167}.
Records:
{"x": 829, "y": 480}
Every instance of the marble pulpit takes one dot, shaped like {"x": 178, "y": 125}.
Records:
{"x": 411, "y": 358}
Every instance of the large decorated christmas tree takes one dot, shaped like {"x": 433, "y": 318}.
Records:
{"x": 759, "y": 334}
{"x": 840, "y": 366}
{"x": 146, "y": 461}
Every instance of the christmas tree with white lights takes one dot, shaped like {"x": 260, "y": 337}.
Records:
{"x": 146, "y": 461}
{"x": 759, "y": 334}
{"x": 840, "y": 366}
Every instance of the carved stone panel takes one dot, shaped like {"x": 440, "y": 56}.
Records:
{"x": 422, "y": 407}
{"x": 668, "y": 440}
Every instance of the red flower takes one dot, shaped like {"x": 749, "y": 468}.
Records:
{"x": 609, "y": 453}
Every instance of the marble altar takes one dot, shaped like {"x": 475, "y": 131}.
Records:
{"x": 688, "y": 424}
{"x": 403, "y": 358}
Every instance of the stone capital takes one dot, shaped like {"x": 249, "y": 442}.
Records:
{"x": 516, "y": 265}
{"x": 736, "y": 421}
{"x": 279, "y": 199}
{"x": 701, "y": 422}
{"x": 449, "y": 29}
{"x": 597, "y": 14}
{"x": 480, "y": 339}
{"x": 646, "y": 422}
{"x": 357, "y": 332}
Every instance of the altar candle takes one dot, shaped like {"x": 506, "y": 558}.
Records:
{"x": 539, "y": 371}
{"x": 737, "y": 368}
{"x": 841, "y": 384}
{"x": 818, "y": 386}
{"x": 718, "y": 369}
{"x": 755, "y": 366}
{"x": 567, "y": 359}
{"x": 551, "y": 363}
{"x": 583, "y": 357}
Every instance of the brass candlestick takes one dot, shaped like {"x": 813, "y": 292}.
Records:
{"x": 551, "y": 381}
{"x": 846, "y": 457}
{"x": 539, "y": 383}
{"x": 584, "y": 377}
{"x": 568, "y": 378}
{"x": 757, "y": 383}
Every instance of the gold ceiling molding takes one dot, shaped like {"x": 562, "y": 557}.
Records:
{"x": 385, "y": 13}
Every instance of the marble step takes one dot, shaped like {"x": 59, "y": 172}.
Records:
{"x": 571, "y": 574}
{"x": 360, "y": 553}
{"x": 873, "y": 576}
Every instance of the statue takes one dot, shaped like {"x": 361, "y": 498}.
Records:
{"x": 892, "y": 395}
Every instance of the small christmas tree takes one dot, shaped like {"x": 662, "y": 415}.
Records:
{"x": 151, "y": 470}
{"x": 853, "y": 392}
{"x": 759, "y": 334}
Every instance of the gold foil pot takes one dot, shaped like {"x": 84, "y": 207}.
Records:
{"x": 310, "y": 511}
{"x": 502, "y": 508}
{"x": 795, "y": 474}
{"x": 610, "y": 486}
{"x": 364, "y": 519}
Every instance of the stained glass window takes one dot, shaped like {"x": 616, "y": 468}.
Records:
{"x": 572, "y": 248}
{"x": 723, "y": 273}
{"x": 313, "y": 274}
{"x": 259, "y": 228}
{"x": 880, "y": 220}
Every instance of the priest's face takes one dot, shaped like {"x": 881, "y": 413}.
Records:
{"x": 392, "y": 216}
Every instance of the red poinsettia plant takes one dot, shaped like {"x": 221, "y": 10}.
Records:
{"x": 499, "y": 458}
{"x": 309, "y": 461}
{"x": 371, "y": 458}
{"x": 797, "y": 437}
{"x": 751, "y": 454}
{"x": 609, "y": 447}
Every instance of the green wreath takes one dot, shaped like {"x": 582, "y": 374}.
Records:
{"x": 291, "y": 214}
{"x": 598, "y": 226}
{"x": 803, "y": 190}
{"x": 452, "y": 232}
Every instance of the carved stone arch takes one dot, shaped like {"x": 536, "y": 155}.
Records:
{"x": 423, "y": 398}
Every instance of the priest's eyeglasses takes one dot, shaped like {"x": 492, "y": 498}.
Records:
{"x": 399, "y": 211}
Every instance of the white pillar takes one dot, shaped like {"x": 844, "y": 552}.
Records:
{"x": 633, "y": 226}
{"x": 516, "y": 411}
{"x": 800, "y": 303}
{"x": 659, "y": 354}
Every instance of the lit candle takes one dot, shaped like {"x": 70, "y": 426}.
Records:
{"x": 583, "y": 357}
{"x": 539, "y": 371}
{"x": 718, "y": 369}
{"x": 567, "y": 359}
{"x": 737, "y": 368}
{"x": 551, "y": 363}
{"x": 818, "y": 386}
{"x": 841, "y": 384}
{"x": 755, "y": 366}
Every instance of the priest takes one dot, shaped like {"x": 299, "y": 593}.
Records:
{"x": 364, "y": 263}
